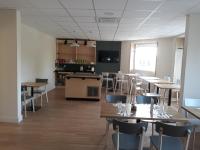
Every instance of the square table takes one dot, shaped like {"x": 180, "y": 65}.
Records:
{"x": 33, "y": 85}
{"x": 108, "y": 110}
{"x": 156, "y": 81}
{"x": 169, "y": 87}
{"x": 195, "y": 111}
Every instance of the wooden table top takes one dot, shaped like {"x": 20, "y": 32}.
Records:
{"x": 168, "y": 86}
{"x": 108, "y": 110}
{"x": 33, "y": 84}
{"x": 159, "y": 81}
{"x": 195, "y": 111}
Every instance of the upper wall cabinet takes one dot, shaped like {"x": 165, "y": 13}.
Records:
{"x": 76, "y": 51}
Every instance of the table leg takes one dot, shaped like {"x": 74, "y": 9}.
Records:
{"x": 31, "y": 91}
{"x": 170, "y": 97}
{"x": 149, "y": 87}
{"x": 157, "y": 90}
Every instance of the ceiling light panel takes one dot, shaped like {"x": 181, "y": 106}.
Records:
{"x": 108, "y": 13}
{"x": 45, "y": 3}
{"x": 110, "y": 4}
{"x": 77, "y": 4}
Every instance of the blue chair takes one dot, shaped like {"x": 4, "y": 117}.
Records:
{"x": 141, "y": 99}
{"x": 113, "y": 99}
{"x": 169, "y": 137}
{"x": 128, "y": 136}
{"x": 41, "y": 91}
{"x": 26, "y": 99}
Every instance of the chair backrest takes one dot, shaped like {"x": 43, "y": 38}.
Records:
{"x": 116, "y": 98}
{"x": 136, "y": 130}
{"x": 105, "y": 74}
{"x": 191, "y": 102}
{"x": 173, "y": 130}
{"x": 38, "y": 80}
{"x": 145, "y": 100}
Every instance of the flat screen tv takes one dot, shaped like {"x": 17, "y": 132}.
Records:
{"x": 108, "y": 56}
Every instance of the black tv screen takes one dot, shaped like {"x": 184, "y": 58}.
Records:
{"x": 108, "y": 56}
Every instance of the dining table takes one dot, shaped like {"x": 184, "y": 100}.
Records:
{"x": 195, "y": 111}
{"x": 143, "y": 112}
{"x": 33, "y": 85}
{"x": 169, "y": 87}
{"x": 156, "y": 81}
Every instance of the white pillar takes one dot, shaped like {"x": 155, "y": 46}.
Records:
{"x": 191, "y": 58}
{"x": 10, "y": 65}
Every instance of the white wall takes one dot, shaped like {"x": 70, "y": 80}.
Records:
{"x": 38, "y": 55}
{"x": 165, "y": 57}
{"x": 125, "y": 56}
{"x": 10, "y": 89}
{"x": 191, "y": 59}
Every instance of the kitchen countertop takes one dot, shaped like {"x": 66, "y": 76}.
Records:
{"x": 83, "y": 75}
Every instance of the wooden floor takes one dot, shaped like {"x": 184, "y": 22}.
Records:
{"x": 60, "y": 125}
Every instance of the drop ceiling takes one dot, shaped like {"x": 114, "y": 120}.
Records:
{"x": 136, "y": 19}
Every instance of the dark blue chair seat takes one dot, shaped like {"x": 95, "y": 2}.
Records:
{"x": 169, "y": 143}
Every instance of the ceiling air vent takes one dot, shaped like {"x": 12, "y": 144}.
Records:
{"x": 108, "y": 20}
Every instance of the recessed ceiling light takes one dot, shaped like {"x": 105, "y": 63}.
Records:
{"x": 108, "y": 13}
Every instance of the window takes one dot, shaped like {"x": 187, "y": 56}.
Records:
{"x": 145, "y": 57}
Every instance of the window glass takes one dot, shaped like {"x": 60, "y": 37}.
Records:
{"x": 145, "y": 57}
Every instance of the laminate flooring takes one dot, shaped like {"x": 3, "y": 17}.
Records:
{"x": 60, "y": 125}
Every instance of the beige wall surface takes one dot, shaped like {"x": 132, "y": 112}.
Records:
{"x": 38, "y": 55}
{"x": 125, "y": 56}
{"x": 10, "y": 98}
{"x": 165, "y": 56}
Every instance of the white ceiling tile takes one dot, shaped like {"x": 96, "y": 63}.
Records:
{"x": 131, "y": 21}
{"x": 142, "y": 4}
{"x": 136, "y": 13}
{"x": 110, "y": 4}
{"x": 82, "y": 12}
{"x": 30, "y": 12}
{"x": 45, "y": 3}
{"x": 54, "y": 12}
{"x": 61, "y": 19}
{"x": 78, "y": 4}
{"x": 15, "y": 4}
{"x": 85, "y": 19}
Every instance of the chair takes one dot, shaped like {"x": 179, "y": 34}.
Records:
{"x": 41, "y": 91}
{"x": 128, "y": 136}
{"x": 26, "y": 99}
{"x": 190, "y": 102}
{"x": 121, "y": 81}
{"x": 107, "y": 79}
{"x": 136, "y": 86}
{"x": 113, "y": 99}
{"x": 169, "y": 137}
{"x": 140, "y": 99}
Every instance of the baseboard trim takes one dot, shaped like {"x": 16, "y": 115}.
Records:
{"x": 10, "y": 119}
